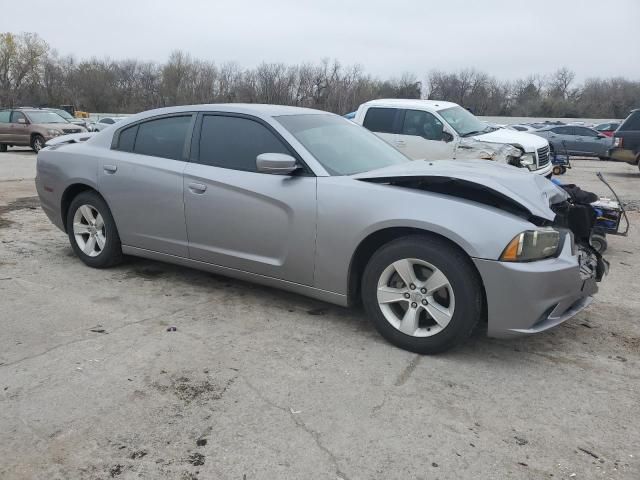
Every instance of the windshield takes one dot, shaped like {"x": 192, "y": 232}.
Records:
{"x": 45, "y": 117}
{"x": 463, "y": 121}
{"x": 341, "y": 146}
{"x": 64, "y": 114}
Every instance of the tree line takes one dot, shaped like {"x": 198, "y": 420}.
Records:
{"x": 34, "y": 74}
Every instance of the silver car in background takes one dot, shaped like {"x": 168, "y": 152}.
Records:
{"x": 310, "y": 202}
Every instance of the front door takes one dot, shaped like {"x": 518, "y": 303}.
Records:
{"x": 239, "y": 218}
{"x": 141, "y": 180}
{"x": 421, "y": 137}
{"x": 18, "y": 129}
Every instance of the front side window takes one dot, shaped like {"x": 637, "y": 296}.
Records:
{"x": 235, "y": 142}
{"x": 164, "y": 137}
{"x": 380, "y": 120}
{"x": 463, "y": 121}
{"x": 41, "y": 116}
{"x": 341, "y": 146}
{"x": 586, "y": 132}
{"x": 16, "y": 116}
{"x": 422, "y": 124}
{"x": 5, "y": 116}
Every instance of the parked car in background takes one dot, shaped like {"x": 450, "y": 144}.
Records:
{"x": 607, "y": 128}
{"x": 69, "y": 118}
{"x": 429, "y": 248}
{"x": 32, "y": 127}
{"x": 105, "y": 122}
{"x": 521, "y": 128}
{"x": 626, "y": 140}
{"x": 576, "y": 140}
{"x": 435, "y": 130}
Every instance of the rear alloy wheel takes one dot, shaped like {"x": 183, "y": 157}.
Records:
{"x": 92, "y": 231}
{"x": 422, "y": 294}
{"x": 37, "y": 143}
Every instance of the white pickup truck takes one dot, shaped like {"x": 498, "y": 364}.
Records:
{"x": 435, "y": 130}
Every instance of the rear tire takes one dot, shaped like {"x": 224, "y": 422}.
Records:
{"x": 407, "y": 308}
{"x": 92, "y": 231}
{"x": 37, "y": 143}
{"x": 599, "y": 242}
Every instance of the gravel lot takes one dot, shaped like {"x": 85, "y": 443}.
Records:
{"x": 260, "y": 384}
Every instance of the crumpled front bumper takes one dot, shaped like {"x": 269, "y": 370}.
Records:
{"x": 525, "y": 298}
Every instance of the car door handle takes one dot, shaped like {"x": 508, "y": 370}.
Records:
{"x": 111, "y": 169}
{"x": 197, "y": 187}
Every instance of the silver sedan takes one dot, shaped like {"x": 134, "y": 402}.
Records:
{"x": 309, "y": 202}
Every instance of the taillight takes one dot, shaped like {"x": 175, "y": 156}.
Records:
{"x": 617, "y": 142}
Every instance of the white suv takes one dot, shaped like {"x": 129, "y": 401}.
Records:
{"x": 435, "y": 130}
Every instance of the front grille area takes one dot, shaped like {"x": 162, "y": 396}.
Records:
{"x": 71, "y": 130}
{"x": 543, "y": 156}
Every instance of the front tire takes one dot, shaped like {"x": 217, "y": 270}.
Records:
{"x": 422, "y": 294}
{"x": 92, "y": 231}
{"x": 37, "y": 143}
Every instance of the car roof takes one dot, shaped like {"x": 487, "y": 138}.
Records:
{"x": 434, "y": 105}
{"x": 256, "y": 109}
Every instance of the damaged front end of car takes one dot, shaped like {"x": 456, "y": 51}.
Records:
{"x": 506, "y": 154}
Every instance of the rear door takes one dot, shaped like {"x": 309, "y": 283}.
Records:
{"x": 141, "y": 179}
{"x": 240, "y": 218}
{"x": 421, "y": 137}
{"x": 385, "y": 123}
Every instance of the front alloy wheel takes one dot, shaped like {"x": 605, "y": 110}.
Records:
{"x": 422, "y": 293}
{"x": 416, "y": 297}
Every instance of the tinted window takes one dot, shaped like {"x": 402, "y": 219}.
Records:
{"x": 108, "y": 121}
{"x": 127, "y": 138}
{"x": 17, "y": 115}
{"x": 586, "y": 132}
{"x": 234, "y": 142}
{"x": 380, "y": 120}
{"x": 422, "y": 124}
{"x": 4, "y": 116}
{"x": 632, "y": 122}
{"x": 563, "y": 130}
{"x": 164, "y": 137}
{"x": 520, "y": 129}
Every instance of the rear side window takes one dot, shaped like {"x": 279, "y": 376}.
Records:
{"x": 563, "y": 130}
{"x": 380, "y": 120}
{"x": 631, "y": 123}
{"x": 585, "y": 132}
{"x": 164, "y": 137}
{"x": 234, "y": 142}
{"x": 4, "y": 116}
{"x": 108, "y": 121}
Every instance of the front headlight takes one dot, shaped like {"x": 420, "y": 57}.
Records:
{"x": 54, "y": 133}
{"x": 528, "y": 160}
{"x": 532, "y": 245}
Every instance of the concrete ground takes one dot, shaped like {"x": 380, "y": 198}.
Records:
{"x": 260, "y": 384}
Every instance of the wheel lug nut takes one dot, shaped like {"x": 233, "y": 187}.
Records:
{"x": 423, "y": 290}
{"x": 424, "y": 301}
{"x": 406, "y": 295}
{"x": 412, "y": 286}
{"x": 414, "y": 305}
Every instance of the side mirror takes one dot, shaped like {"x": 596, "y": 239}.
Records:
{"x": 276, "y": 163}
{"x": 447, "y": 137}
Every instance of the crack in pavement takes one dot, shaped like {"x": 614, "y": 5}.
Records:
{"x": 408, "y": 370}
{"x": 300, "y": 424}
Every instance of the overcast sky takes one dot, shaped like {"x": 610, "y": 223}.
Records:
{"x": 508, "y": 39}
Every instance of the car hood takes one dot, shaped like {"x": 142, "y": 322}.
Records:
{"x": 532, "y": 192}
{"x": 503, "y": 135}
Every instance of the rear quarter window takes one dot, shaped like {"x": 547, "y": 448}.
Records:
{"x": 4, "y": 116}
{"x": 164, "y": 137}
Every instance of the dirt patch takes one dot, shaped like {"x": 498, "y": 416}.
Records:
{"x": 190, "y": 391}
{"x": 25, "y": 203}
